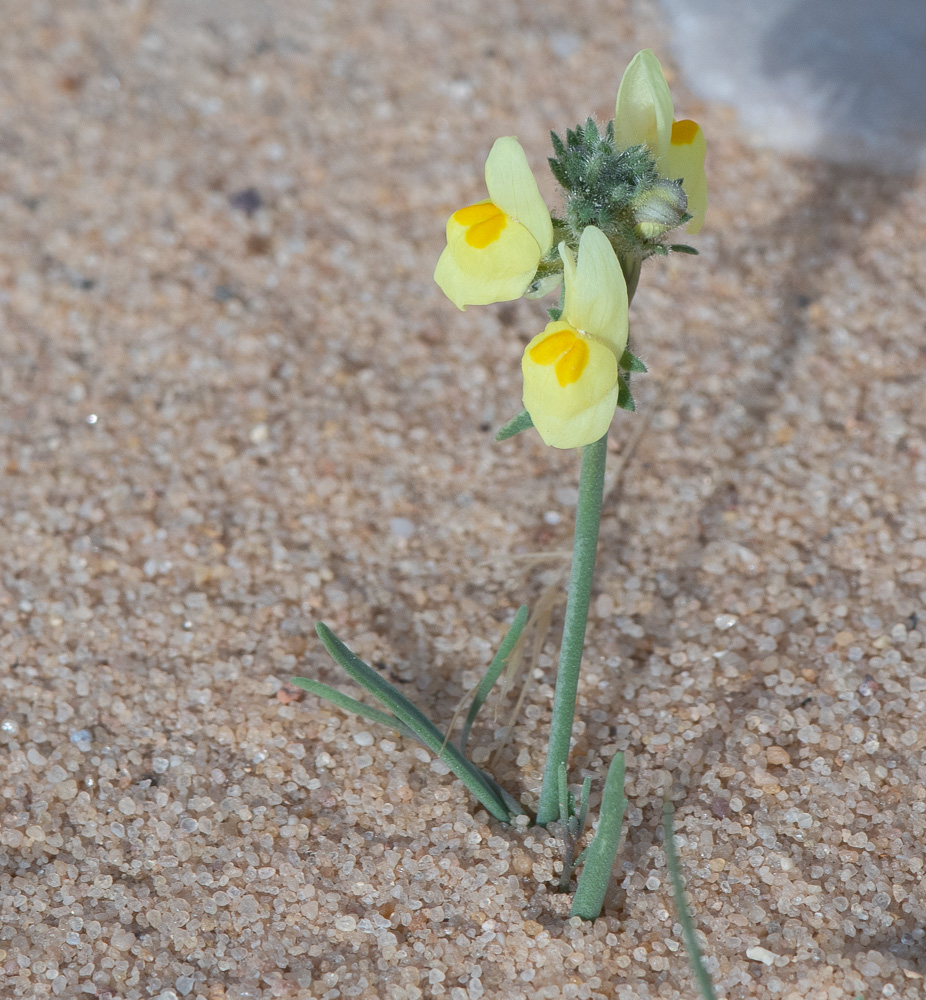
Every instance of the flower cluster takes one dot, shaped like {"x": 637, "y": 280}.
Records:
{"x": 624, "y": 192}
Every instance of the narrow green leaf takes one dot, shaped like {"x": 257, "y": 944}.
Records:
{"x": 350, "y": 704}
{"x": 624, "y": 399}
{"x": 702, "y": 977}
{"x": 515, "y": 425}
{"x": 514, "y": 806}
{"x": 417, "y": 722}
{"x": 600, "y": 855}
{"x": 384, "y": 718}
{"x": 583, "y": 805}
{"x": 568, "y": 826}
{"x": 494, "y": 672}
{"x": 683, "y": 248}
{"x": 631, "y": 363}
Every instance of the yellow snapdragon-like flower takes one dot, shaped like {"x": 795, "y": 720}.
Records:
{"x": 571, "y": 369}
{"x": 644, "y": 116}
{"x": 494, "y": 247}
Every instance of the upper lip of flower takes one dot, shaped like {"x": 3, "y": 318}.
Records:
{"x": 595, "y": 301}
{"x": 512, "y": 188}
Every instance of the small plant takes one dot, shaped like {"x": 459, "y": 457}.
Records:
{"x": 626, "y": 188}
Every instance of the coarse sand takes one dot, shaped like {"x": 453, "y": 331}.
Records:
{"x": 233, "y": 402}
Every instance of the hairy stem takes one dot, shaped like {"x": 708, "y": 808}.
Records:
{"x": 584, "y": 551}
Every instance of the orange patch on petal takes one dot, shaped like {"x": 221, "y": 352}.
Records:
{"x": 484, "y": 233}
{"x": 570, "y": 366}
{"x": 472, "y": 214}
{"x": 566, "y": 351}
{"x": 684, "y": 132}
{"x": 484, "y": 223}
{"x": 551, "y": 348}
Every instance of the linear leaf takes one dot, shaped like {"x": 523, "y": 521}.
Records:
{"x": 417, "y": 722}
{"x": 351, "y": 704}
{"x": 702, "y": 977}
{"x": 601, "y": 852}
{"x": 493, "y": 673}
{"x": 582, "y": 814}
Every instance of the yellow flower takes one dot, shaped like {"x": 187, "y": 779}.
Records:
{"x": 494, "y": 247}
{"x": 644, "y": 116}
{"x": 570, "y": 370}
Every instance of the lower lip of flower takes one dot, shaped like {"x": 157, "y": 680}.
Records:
{"x": 566, "y": 351}
{"x": 484, "y": 223}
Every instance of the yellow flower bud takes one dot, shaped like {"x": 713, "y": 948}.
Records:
{"x": 644, "y": 117}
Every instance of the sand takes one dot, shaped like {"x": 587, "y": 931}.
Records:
{"x": 233, "y": 402}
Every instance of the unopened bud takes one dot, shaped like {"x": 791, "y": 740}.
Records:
{"x": 660, "y": 208}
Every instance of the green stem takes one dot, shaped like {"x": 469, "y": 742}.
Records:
{"x": 584, "y": 551}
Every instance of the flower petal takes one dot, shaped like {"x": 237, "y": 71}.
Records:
{"x": 570, "y": 386}
{"x": 685, "y": 160}
{"x": 512, "y": 187}
{"x": 596, "y": 293}
{"x": 489, "y": 257}
{"x": 643, "y": 115}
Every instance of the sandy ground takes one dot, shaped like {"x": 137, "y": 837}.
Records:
{"x": 233, "y": 402}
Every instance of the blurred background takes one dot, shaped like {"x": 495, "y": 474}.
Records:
{"x": 840, "y": 79}
{"x": 233, "y": 402}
